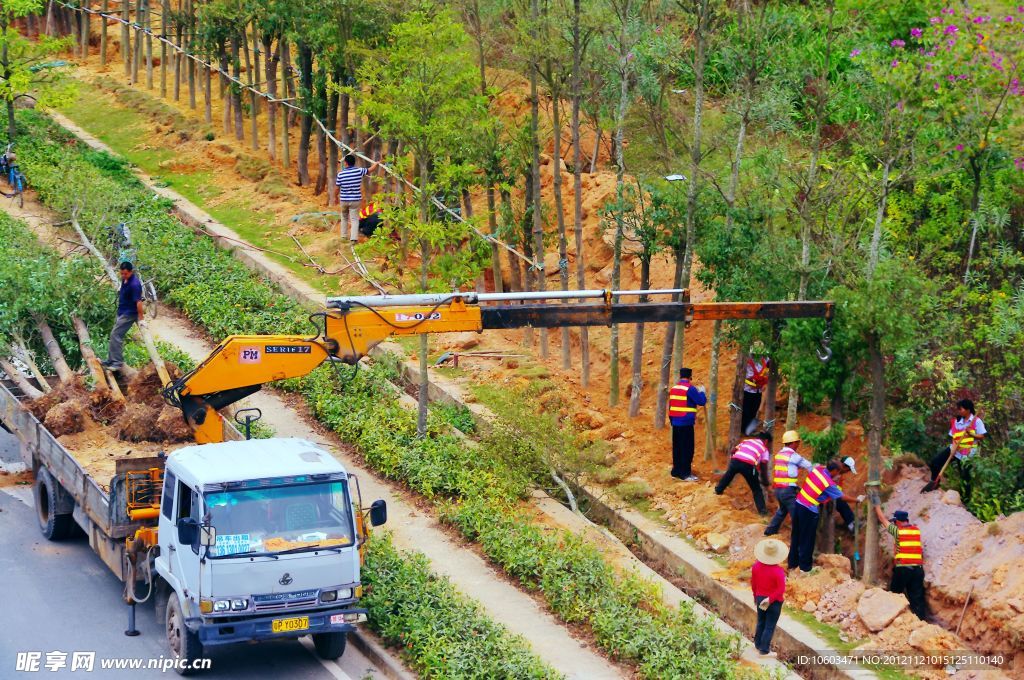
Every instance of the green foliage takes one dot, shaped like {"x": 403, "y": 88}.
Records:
{"x": 456, "y": 415}
{"x": 824, "y": 445}
{"x": 440, "y": 633}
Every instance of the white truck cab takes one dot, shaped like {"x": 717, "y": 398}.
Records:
{"x": 259, "y": 539}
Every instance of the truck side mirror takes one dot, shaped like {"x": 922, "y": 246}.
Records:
{"x": 188, "y": 531}
{"x": 378, "y": 513}
{"x": 207, "y": 536}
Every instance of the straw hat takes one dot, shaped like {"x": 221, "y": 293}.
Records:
{"x": 771, "y": 551}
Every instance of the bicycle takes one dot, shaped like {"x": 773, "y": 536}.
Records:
{"x": 16, "y": 180}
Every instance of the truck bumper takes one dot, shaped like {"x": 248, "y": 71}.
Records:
{"x": 212, "y": 633}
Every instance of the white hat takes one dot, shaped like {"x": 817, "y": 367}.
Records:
{"x": 850, "y": 463}
{"x": 771, "y": 551}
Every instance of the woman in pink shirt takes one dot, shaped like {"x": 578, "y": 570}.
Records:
{"x": 768, "y": 581}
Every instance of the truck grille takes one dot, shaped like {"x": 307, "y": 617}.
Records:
{"x": 268, "y": 601}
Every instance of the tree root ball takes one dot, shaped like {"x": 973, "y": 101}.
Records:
{"x": 145, "y": 386}
{"x": 67, "y": 417}
{"x": 171, "y": 424}
{"x": 138, "y": 424}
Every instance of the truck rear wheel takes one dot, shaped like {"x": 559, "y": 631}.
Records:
{"x": 55, "y": 526}
{"x": 183, "y": 643}
{"x": 330, "y": 646}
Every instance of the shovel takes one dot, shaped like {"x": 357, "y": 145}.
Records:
{"x": 934, "y": 484}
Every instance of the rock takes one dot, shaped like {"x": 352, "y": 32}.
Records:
{"x": 1017, "y": 604}
{"x": 952, "y": 497}
{"x": 878, "y": 608}
{"x": 717, "y": 542}
{"x": 466, "y": 340}
{"x": 931, "y": 638}
{"x": 810, "y": 606}
{"x": 834, "y": 561}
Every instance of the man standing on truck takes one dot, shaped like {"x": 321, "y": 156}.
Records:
{"x": 129, "y": 313}
{"x": 683, "y": 400}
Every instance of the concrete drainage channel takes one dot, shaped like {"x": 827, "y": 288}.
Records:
{"x": 658, "y": 550}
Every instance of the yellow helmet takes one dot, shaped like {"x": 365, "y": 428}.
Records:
{"x": 790, "y": 436}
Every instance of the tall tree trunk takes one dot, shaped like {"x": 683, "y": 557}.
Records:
{"x": 236, "y": 89}
{"x": 88, "y": 354}
{"x": 693, "y": 192}
{"x": 104, "y": 8}
{"x": 20, "y": 379}
{"x": 320, "y": 96}
{"x": 805, "y": 207}
{"x": 563, "y": 243}
{"x": 179, "y": 59}
{"x": 207, "y": 95}
{"x": 286, "y": 62}
{"x": 86, "y": 29}
{"x": 975, "y": 165}
{"x": 125, "y": 40}
{"x": 638, "y": 344}
{"x": 190, "y": 64}
{"x": 333, "y": 102}
{"x": 771, "y": 389}
{"x": 538, "y": 217}
{"x": 620, "y": 171}
{"x": 165, "y": 9}
{"x": 424, "y": 387}
{"x": 271, "y": 58}
{"x": 140, "y": 13}
{"x": 735, "y": 411}
{"x": 225, "y": 99}
{"x": 306, "y": 125}
{"x": 711, "y": 412}
{"x": 665, "y": 372}
{"x": 514, "y": 269}
{"x": 53, "y": 351}
{"x": 254, "y": 142}
{"x": 876, "y": 418}
{"x": 149, "y": 45}
{"x": 577, "y": 181}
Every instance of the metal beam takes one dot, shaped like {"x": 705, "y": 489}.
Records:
{"x": 714, "y": 311}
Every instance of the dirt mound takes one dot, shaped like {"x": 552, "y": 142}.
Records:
{"x": 138, "y": 424}
{"x": 62, "y": 392}
{"x": 67, "y": 417}
{"x": 144, "y": 387}
{"x": 172, "y": 426}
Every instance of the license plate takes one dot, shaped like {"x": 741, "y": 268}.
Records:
{"x": 289, "y": 625}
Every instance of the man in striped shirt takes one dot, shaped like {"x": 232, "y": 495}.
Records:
{"x": 350, "y": 195}
{"x": 748, "y": 458}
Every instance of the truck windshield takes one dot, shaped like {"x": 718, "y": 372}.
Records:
{"x": 279, "y": 519}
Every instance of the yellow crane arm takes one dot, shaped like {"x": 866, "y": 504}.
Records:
{"x": 352, "y": 326}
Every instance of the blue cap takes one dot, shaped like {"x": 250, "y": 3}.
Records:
{"x": 900, "y": 516}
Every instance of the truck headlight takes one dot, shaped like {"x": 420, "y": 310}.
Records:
{"x": 329, "y": 596}
{"x": 345, "y": 594}
{"x": 221, "y": 605}
{"x": 239, "y": 605}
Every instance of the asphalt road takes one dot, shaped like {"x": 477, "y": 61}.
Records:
{"x": 59, "y": 597}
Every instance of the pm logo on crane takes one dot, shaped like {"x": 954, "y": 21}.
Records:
{"x": 249, "y": 355}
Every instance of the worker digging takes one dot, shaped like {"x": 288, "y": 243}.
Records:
{"x": 683, "y": 400}
{"x": 965, "y": 431}
{"x": 785, "y": 479}
{"x": 750, "y": 460}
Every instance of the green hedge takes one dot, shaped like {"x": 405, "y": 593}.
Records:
{"x": 442, "y": 634}
{"x": 477, "y": 492}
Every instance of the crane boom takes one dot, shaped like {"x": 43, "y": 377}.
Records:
{"x": 351, "y": 326}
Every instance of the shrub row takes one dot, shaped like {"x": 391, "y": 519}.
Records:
{"x": 477, "y": 491}
{"x": 441, "y": 633}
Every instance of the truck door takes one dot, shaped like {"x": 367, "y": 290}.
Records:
{"x": 184, "y": 561}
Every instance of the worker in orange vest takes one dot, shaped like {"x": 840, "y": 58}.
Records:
{"x": 754, "y": 381}
{"x": 965, "y": 432}
{"x": 750, "y": 457}
{"x": 820, "y": 484}
{"x": 683, "y": 400}
{"x": 908, "y": 559}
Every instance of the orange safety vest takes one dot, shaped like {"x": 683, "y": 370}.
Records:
{"x": 751, "y": 451}
{"x": 368, "y": 210}
{"x": 964, "y": 438}
{"x": 758, "y": 377}
{"x": 782, "y": 477}
{"x": 678, "y": 400}
{"x": 814, "y": 486}
{"x": 908, "y": 546}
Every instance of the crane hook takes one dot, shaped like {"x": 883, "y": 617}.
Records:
{"x": 824, "y": 351}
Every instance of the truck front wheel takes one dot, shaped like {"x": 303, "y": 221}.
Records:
{"x": 55, "y": 526}
{"x": 330, "y": 646}
{"x": 184, "y": 644}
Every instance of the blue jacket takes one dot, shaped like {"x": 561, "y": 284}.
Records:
{"x": 694, "y": 397}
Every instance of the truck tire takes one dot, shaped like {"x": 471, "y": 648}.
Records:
{"x": 184, "y": 645}
{"x": 330, "y": 646}
{"x": 55, "y": 526}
